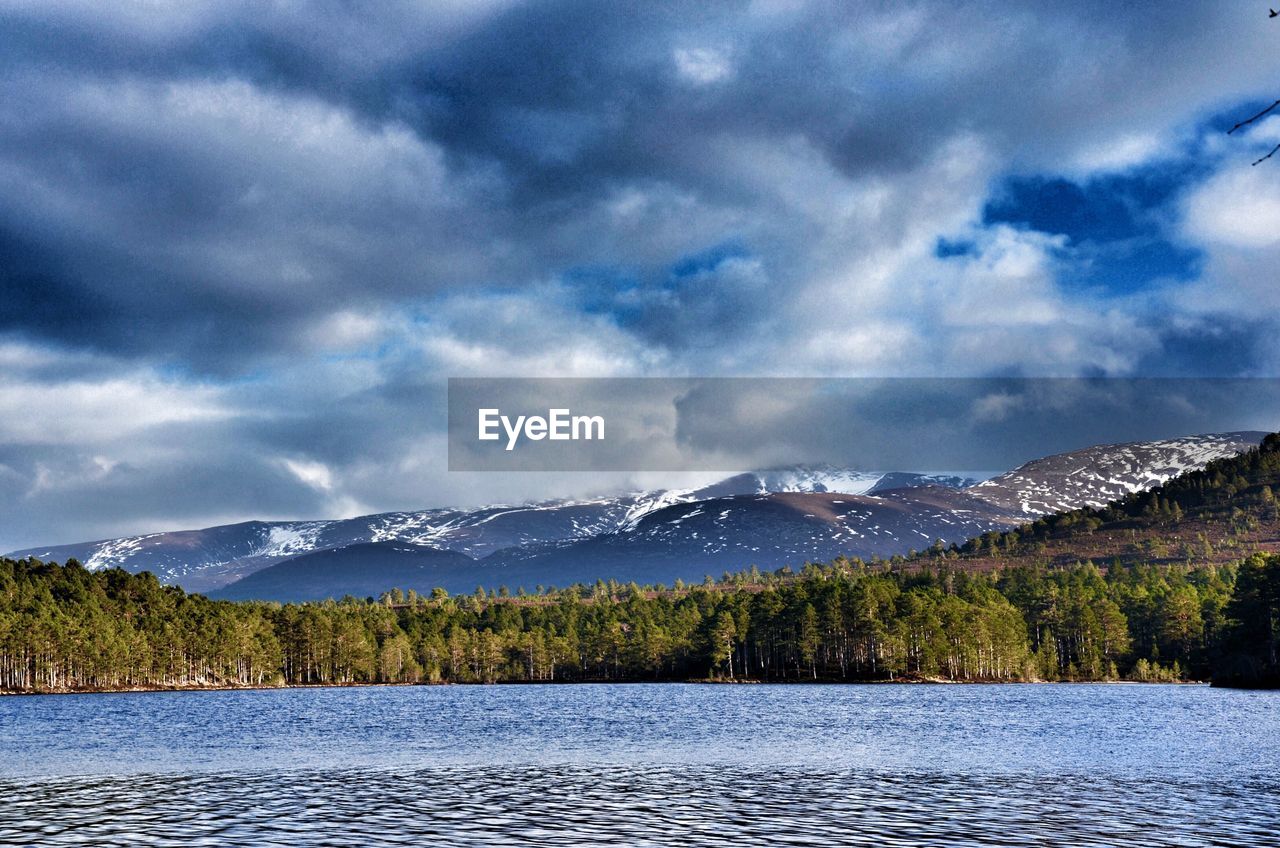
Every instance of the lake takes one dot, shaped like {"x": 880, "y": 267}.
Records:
{"x": 662, "y": 764}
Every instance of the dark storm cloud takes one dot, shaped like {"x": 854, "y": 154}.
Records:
{"x": 40, "y": 290}
{"x": 536, "y": 111}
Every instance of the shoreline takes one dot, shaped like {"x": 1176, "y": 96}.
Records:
{"x": 923, "y": 681}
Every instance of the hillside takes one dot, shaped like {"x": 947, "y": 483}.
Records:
{"x": 363, "y": 570}
{"x": 690, "y": 541}
{"x": 679, "y": 542}
{"x": 1098, "y": 475}
{"x": 64, "y": 628}
{"x": 986, "y": 610}
{"x": 1214, "y": 515}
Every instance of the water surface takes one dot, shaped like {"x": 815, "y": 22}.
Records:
{"x": 660, "y": 764}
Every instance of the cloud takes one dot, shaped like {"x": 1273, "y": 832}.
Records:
{"x": 314, "y": 474}
{"x": 237, "y": 236}
{"x": 85, "y": 411}
{"x": 702, "y": 65}
{"x": 1237, "y": 208}
{"x": 1118, "y": 154}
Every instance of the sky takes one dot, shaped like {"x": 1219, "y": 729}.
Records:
{"x": 244, "y": 244}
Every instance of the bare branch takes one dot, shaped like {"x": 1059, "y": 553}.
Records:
{"x": 1254, "y": 118}
{"x": 1269, "y": 155}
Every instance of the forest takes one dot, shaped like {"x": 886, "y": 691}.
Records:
{"x": 64, "y": 628}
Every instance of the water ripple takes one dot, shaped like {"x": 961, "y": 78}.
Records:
{"x": 654, "y": 805}
{"x": 645, "y": 765}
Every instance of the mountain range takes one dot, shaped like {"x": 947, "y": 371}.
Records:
{"x": 768, "y": 518}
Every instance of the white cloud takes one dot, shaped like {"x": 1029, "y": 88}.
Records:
{"x": 1117, "y": 153}
{"x": 314, "y": 474}
{"x": 347, "y": 329}
{"x": 1238, "y": 208}
{"x": 995, "y": 407}
{"x": 535, "y": 332}
{"x": 71, "y": 472}
{"x": 83, "y": 411}
{"x": 702, "y": 65}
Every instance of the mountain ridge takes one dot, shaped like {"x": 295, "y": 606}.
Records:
{"x": 670, "y": 532}
{"x": 208, "y": 558}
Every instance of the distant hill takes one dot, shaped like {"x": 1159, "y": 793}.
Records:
{"x": 709, "y": 537}
{"x": 689, "y": 540}
{"x": 363, "y": 570}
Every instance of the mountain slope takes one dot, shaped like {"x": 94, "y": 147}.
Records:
{"x": 202, "y": 560}
{"x": 690, "y": 541}
{"x": 825, "y": 478}
{"x": 361, "y": 570}
{"x": 1099, "y": 475}
{"x": 683, "y": 541}
{"x": 1217, "y": 514}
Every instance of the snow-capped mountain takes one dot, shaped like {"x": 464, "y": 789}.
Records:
{"x": 1098, "y": 475}
{"x": 364, "y": 569}
{"x": 202, "y": 560}
{"x": 692, "y": 540}
{"x": 768, "y": 518}
{"x": 826, "y": 478}
{"x": 684, "y": 541}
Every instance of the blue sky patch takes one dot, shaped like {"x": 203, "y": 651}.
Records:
{"x": 951, "y": 248}
{"x": 1117, "y": 227}
{"x": 707, "y": 260}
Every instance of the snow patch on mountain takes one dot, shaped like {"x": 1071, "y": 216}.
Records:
{"x": 115, "y": 552}
{"x": 816, "y": 478}
{"x": 1099, "y": 475}
{"x": 284, "y": 540}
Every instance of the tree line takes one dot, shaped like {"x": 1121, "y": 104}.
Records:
{"x": 63, "y": 628}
